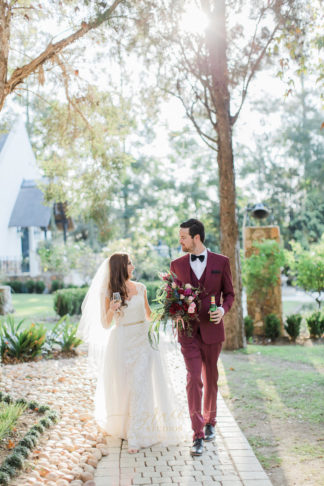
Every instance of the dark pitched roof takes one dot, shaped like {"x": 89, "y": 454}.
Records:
{"x": 3, "y": 139}
{"x": 29, "y": 209}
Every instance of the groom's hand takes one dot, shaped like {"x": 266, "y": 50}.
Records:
{"x": 216, "y": 316}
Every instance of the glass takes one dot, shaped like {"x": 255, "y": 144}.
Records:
{"x": 116, "y": 297}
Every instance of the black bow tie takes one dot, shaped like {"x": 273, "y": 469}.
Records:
{"x": 194, "y": 257}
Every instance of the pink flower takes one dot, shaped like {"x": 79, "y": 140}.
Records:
{"x": 174, "y": 285}
{"x": 190, "y": 298}
{"x": 187, "y": 292}
{"x": 192, "y": 308}
{"x": 188, "y": 286}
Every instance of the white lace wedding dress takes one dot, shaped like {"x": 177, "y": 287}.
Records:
{"x": 135, "y": 398}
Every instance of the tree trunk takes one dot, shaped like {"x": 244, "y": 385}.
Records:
{"x": 216, "y": 43}
{"x": 4, "y": 48}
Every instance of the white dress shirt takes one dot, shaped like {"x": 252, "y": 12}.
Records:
{"x": 198, "y": 268}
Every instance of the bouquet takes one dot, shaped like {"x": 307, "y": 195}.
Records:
{"x": 180, "y": 304}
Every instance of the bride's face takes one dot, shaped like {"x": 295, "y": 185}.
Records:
{"x": 130, "y": 268}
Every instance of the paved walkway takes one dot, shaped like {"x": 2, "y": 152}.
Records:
{"x": 229, "y": 461}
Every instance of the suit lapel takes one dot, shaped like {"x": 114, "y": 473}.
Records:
{"x": 186, "y": 270}
{"x": 209, "y": 267}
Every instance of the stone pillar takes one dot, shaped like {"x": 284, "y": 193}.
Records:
{"x": 5, "y": 300}
{"x": 273, "y": 304}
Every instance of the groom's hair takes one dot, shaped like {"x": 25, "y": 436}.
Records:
{"x": 195, "y": 228}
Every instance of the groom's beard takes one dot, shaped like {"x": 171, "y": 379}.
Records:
{"x": 185, "y": 249}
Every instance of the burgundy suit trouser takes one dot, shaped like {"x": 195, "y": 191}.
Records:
{"x": 202, "y": 373}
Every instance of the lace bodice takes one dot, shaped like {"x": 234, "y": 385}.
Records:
{"x": 135, "y": 310}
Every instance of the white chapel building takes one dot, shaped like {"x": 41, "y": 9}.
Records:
{"x": 24, "y": 219}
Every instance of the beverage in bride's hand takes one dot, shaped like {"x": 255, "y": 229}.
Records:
{"x": 213, "y": 306}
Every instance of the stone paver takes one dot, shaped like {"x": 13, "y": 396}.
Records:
{"x": 229, "y": 461}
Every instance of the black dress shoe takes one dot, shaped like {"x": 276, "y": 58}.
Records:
{"x": 197, "y": 448}
{"x": 209, "y": 432}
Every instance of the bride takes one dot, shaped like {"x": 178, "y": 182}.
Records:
{"x": 135, "y": 399}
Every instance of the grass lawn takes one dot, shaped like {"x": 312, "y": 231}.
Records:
{"x": 293, "y": 307}
{"x": 36, "y": 308}
{"x": 277, "y": 394}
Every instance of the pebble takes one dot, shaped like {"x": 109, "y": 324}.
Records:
{"x": 68, "y": 453}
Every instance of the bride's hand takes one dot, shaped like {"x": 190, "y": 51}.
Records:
{"x": 114, "y": 305}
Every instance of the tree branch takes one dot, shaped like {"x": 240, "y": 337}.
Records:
{"x": 206, "y": 138}
{"x": 20, "y": 74}
{"x": 254, "y": 68}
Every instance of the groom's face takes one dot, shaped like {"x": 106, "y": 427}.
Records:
{"x": 186, "y": 241}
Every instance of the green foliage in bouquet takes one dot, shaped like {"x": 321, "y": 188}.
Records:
{"x": 292, "y": 325}
{"x": 18, "y": 343}
{"x": 174, "y": 303}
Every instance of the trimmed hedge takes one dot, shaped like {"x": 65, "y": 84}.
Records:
{"x": 272, "y": 326}
{"x": 68, "y": 301}
{"x": 28, "y": 287}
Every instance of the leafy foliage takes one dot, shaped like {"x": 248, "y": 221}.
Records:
{"x": 9, "y": 414}
{"x": 262, "y": 269}
{"x": 272, "y": 326}
{"x": 68, "y": 301}
{"x": 292, "y": 325}
{"x": 63, "y": 335}
{"x": 248, "y": 327}
{"x": 18, "y": 343}
{"x": 307, "y": 267}
{"x": 315, "y": 323}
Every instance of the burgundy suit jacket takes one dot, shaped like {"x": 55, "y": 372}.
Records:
{"x": 218, "y": 282}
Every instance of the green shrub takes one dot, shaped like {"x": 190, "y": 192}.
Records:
{"x": 292, "y": 325}
{"x": 45, "y": 422}
{"x": 11, "y": 471}
{"x": 15, "y": 460}
{"x": 23, "y": 451}
{"x": 63, "y": 334}
{"x": 27, "y": 442}
{"x": 315, "y": 324}
{"x": 57, "y": 285}
{"x": 68, "y": 301}
{"x": 17, "y": 287}
{"x": 38, "y": 427}
{"x": 151, "y": 288}
{"x": 4, "y": 478}
{"x": 18, "y": 343}
{"x": 248, "y": 327}
{"x": 39, "y": 287}
{"x": 261, "y": 271}
{"x": 30, "y": 286}
{"x": 272, "y": 326}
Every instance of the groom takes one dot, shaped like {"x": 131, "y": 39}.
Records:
{"x": 211, "y": 272}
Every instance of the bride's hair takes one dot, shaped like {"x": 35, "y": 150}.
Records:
{"x": 118, "y": 270}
